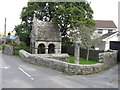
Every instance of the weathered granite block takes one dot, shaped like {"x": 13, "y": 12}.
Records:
{"x": 8, "y": 49}
{"x": 108, "y": 58}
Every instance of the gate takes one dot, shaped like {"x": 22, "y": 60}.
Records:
{"x": 118, "y": 56}
{"x": 115, "y": 45}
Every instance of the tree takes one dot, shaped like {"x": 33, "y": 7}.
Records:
{"x": 64, "y": 14}
{"x": 23, "y": 32}
{"x": 86, "y": 34}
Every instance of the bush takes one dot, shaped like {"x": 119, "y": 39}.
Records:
{"x": 8, "y": 41}
{"x": 16, "y": 52}
{"x": 19, "y": 47}
{"x": 1, "y": 47}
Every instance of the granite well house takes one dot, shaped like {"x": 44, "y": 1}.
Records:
{"x": 45, "y": 38}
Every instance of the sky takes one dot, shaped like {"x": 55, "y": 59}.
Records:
{"x": 105, "y": 10}
{"x": 11, "y": 9}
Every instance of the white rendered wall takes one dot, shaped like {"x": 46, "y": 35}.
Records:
{"x": 105, "y": 30}
{"x": 113, "y": 38}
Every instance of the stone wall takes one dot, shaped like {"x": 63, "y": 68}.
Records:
{"x": 60, "y": 65}
{"x": 107, "y": 59}
{"x": 8, "y": 49}
{"x": 61, "y": 57}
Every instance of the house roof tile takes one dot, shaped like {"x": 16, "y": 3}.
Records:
{"x": 105, "y": 24}
{"x": 106, "y": 35}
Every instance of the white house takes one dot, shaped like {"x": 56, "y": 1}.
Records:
{"x": 106, "y": 32}
{"x": 106, "y": 39}
{"x": 105, "y": 26}
{"x": 119, "y": 35}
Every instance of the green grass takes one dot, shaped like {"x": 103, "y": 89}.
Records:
{"x": 16, "y": 52}
{"x": 82, "y": 61}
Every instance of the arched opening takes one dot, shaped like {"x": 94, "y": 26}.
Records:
{"x": 51, "y": 48}
{"x": 41, "y": 49}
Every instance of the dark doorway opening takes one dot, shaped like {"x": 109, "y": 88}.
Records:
{"x": 51, "y": 48}
{"x": 115, "y": 45}
{"x": 41, "y": 49}
{"x": 118, "y": 55}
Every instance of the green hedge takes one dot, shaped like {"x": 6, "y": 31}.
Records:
{"x": 19, "y": 47}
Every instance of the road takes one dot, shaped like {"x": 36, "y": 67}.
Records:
{"x": 19, "y": 74}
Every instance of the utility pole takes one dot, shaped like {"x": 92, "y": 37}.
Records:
{"x": 5, "y": 32}
{"x": 5, "y": 28}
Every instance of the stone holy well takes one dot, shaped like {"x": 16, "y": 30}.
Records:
{"x": 46, "y": 40}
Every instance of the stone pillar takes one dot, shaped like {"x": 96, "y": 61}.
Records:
{"x": 36, "y": 50}
{"x": 56, "y": 51}
{"x": 59, "y": 50}
{"x": 46, "y": 50}
{"x": 76, "y": 52}
{"x": 8, "y": 49}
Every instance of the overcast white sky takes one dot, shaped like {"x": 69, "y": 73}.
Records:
{"x": 105, "y": 10}
{"x": 11, "y": 9}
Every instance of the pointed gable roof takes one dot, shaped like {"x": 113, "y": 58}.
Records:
{"x": 107, "y": 35}
{"x": 105, "y": 24}
{"x": 46, "y": 31}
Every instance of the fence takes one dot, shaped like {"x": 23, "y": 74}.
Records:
{"x": 93, "y": 54}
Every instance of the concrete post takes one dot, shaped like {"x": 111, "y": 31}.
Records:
{"x": 76, "y": 52}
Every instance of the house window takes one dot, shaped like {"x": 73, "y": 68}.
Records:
{"x": 110, "y": 30}
{"x": 100, "y": 31}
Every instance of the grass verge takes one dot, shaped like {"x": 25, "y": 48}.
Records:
{"x": 82, "y": 61}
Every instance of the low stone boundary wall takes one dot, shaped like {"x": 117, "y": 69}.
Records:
{"x": 8, "y": 49}
{"x": 107, "y": 60}
{"x": 61, "y": 57}
{"x": 60, "y": 65}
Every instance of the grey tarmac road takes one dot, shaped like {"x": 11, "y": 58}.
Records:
{"x": 19, "y": 74}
